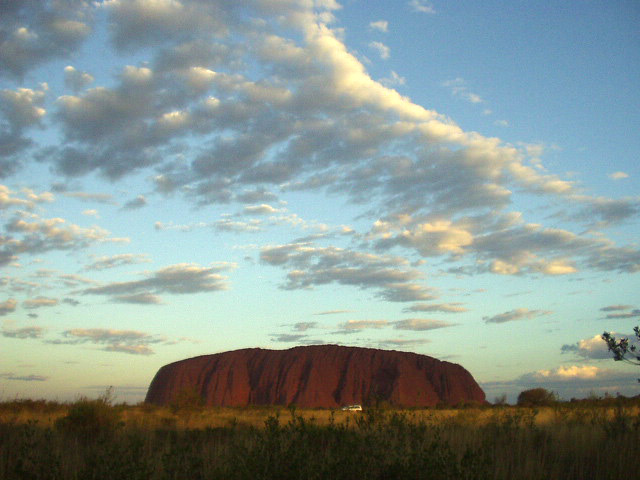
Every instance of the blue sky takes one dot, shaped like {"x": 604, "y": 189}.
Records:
{"x": 178, "y": 178}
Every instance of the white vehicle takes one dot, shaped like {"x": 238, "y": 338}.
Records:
{"x": 352, "y": 408}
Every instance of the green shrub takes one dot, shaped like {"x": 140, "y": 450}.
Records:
{"x": 91, "y": 418}
{"x": 536, "y": 397}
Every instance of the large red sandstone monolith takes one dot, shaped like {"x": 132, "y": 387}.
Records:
{"x": 316, "y": 376}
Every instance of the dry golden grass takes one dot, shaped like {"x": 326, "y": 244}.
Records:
{"x": 159, "y": 417}
{"x": 93, "y": 439}
{"x": 153, "y": 417}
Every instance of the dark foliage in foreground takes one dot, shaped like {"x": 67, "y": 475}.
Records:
{"x": 583, "y": 442}
{"x": 621, "y": 349}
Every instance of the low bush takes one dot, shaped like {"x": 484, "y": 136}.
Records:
{"x": 91, "y": 418}
{"x": 536, "y": 397}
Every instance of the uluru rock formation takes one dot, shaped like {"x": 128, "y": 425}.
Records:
{"x": 316, "y": 376}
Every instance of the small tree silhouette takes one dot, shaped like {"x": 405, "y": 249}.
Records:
{"x": 621, "y": 349}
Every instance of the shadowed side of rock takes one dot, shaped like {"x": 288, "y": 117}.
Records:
{"x": 326, "y": 376}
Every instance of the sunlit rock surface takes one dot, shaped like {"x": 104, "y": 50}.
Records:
{"x": 316, "y": 376}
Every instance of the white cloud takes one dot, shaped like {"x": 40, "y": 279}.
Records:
{"x": 178, "y": 279}
{"x": 137, "y": 76}
{"x": 106, "y": 198}
{"x": 21, "y": 110}
{"x": 348, "y": 81}
{"x": 304, "y": 326}
{"x": 130, "y": 349}
{"x": 288, "y": 338}
{"x": 406, "y": 292}
{"x": 459, "y": 89}
{"x": 352, "y": 325}
{"x": 311, "y": 266}
{"x": 618, "y": 175}
{"x": 121, "y": 259}
{"x": 380, "y": 25}
{"x": 129, "y": 126}
{"x": 29, "y": 233}
{"x": 135, "y": 203}
{"x": 39, "y": 302}
{"x": 436, "y": 238}
{"x": 73, "y": 280}
{"x": 23, "y": 107}
{"x": 437, "y": 307}
{"x": 614, "y": 308}
{"x": 421, "y": 324}
{"x": 200, "y": 78}
{"x": 262, "y": 209}
{"x": 256, "y": 195}
{"x": 517, "y": 314}
{"x": 332, "y": 312}
{"x": 591, "y": 348}
{"x": 30, "y": 200}
{"x": 143, "y": 298}
{"x": 75, "y": 79}
{"x": 160, "y": 226}
{"x": 228, "y": 225}
{"x": 583, "y": 372}
{"x": 620, "y": 313}
{"x": 422, "y": 6}
{"x": 383, "y": 51}
{"x": 35, "y": 32}
{"x": 24, "y": 378}
{"x": 322, "y": 80}
{"x": 554, "y": 267}
{"x": 7, "y": 200}
{"x": 409, "y": 343}
{"x": 394, "y": 80}
{"x": 23, "y": 333}
{"x": 8, "y": 306}
{"x": 307, "y": 117}
{"x": 145, "y": 22}
{"x": 125, "y": 341}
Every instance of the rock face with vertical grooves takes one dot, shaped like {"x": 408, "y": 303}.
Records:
{"x": 325, "y": 376}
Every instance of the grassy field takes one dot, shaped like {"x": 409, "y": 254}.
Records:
{"x": 97, "y": 440}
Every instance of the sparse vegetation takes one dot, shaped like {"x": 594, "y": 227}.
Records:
{"x": 595, "y": 438}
